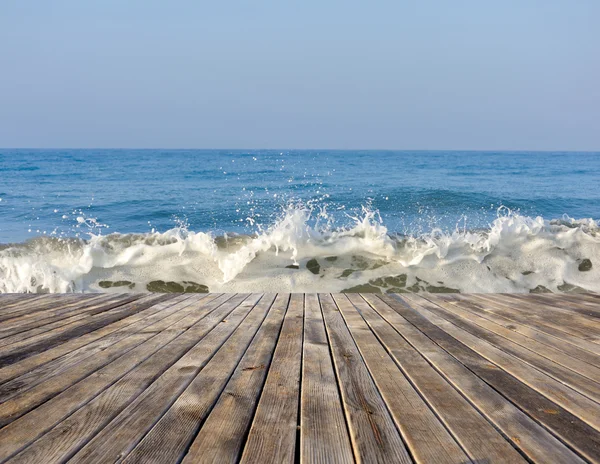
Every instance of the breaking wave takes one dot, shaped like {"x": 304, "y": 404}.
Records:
{"x": 306, "y": 251}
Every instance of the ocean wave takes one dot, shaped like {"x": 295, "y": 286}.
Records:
{"x": 305, "y": 250}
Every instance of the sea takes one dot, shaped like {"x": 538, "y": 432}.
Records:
{"x": 122, "y": 220}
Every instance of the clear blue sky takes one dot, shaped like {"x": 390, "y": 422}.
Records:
{"x": 461, "y": 74}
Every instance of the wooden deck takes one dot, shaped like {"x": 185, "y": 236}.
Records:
{"x": 261, "y": 378}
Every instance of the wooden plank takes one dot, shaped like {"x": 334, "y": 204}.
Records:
{"x": 578, "y": 404}
{"x": 275, "y": 441}
{"x": 499, "y": 376}
{"x": 478, "y": 437}
{"x": 223, "y": 432}
{"x": 562, "y": 306}
{"x": 21, "y": 306}
{"x": 18, "y": 341}
{"x": 548, "y": 351}
{"x": 426, "y": 437}
{"x": 33, "y": 320}
{"x": 27, "y": 330}
{"x": 564, "y": 303}
{"x": 9, "y": 300}
{"x": 20, "y": 350}
{"x": 372, "y": 430}
{"x": 31, "y": 396}
{"x": 46, "y": 302}
{"x": 568, "y": 324}
{"x": 499, "y": 396}
{"x": 61, "y": 305}
{"x": 480, "y": 309}
{"x": 519, "y": 347}
{"x": 539, "y": 395}
{"x": 182, "y": 387}
{"x": 181, "y": 304}
{"x": 532, "y": 320}
{"x": 323, "y": 432}
{"x": 102, "y": 337}
{"x": 590, "y": 297}
{"x": 98, "y": 397}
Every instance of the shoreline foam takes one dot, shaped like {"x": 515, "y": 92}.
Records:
{"x": 296, "y": 254}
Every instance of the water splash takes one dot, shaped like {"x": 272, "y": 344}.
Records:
{"x": 305, "y": 249}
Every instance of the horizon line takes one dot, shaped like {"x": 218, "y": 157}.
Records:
{"x": 486, "y": 150}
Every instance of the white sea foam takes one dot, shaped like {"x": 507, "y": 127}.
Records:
{"x": 515, "y": 254}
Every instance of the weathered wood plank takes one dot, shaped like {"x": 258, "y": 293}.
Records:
{"x": 323, "y": 432}
{"x": 565, "y": 303}
{"x": 560, "y": 422}
{"x": 521, "y": 348}
{"x": 27, "y": 428}
{"x": 534, "y": 321}
{"x": 19, "y": 350}
{"x": 545, "y": 316}
{"x": 28, "y": 398}
{"x": 269, "y": 440}
{"x": 32, "y": 320}
{"x": 547, "y": 351}
{"x": 176, "y": 388}
{"x": 102, "y": 337}
{"x": 18, "y": 333}
{"x": 426, "y": 437}
{"x": 507, "y": 403}
{"x": 577, "y": 403}
{"x": 425, "y": 378}
{"x": 558, "y": 306}
{"x": 182, "y": 305}
{"x": 480, "y": 309}
{"x": 9, "y": 300}
{"x": 480, "y": 439}
{"x": 590, "y": 297}
{"x": 42, "y": 304}
{"x": 223, "y": 433}
{"x": 372, "y": 430}
{"x": 21, "y": 306}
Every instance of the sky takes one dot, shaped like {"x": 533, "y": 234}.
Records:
{"x": 445, "y": 74}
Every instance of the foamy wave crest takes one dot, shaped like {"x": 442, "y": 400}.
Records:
{"x": 304, "y": 251}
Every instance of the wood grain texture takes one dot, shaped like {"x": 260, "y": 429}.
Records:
{"x": 44, "y": 341}
{"x": 140, "y": 406}
{"x": 137, "y": 378}
{"x": 275, "y": 440}
{"x": 323, "y": 431}
{"x": 221, "y": 439}
{"x": 180, "y": 304}
{"x": 546, "y": 319}
{"x": 565, "y": 303}
{"x": 478, "y": 437}
{"x": 519, "y": 312}
{"x": 474, "y": 377}
{"x": 372, "y": 429}
{"x": 22, "y": 330}
{"x": 30, "y": 426}
{"x": 504, "y": 341}
{"x": 481, "y": 309}
{"x": 569, "y": 428}
{"x": 426, "y": 437}
{"x": 575, "y": 402}
{"x": 115, "y": 331}
{"x": 42, "y": 304}
{"x": 169, "y": 436}
{"x": 32, "y": 320}
{"x": 552, "y": 354}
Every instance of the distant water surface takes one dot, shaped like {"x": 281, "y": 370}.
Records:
{"x": 280, "y": 220}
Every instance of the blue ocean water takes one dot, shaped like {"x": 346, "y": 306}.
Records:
{"x": 418, "y": 195}
{"x": 45, "y": 191}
